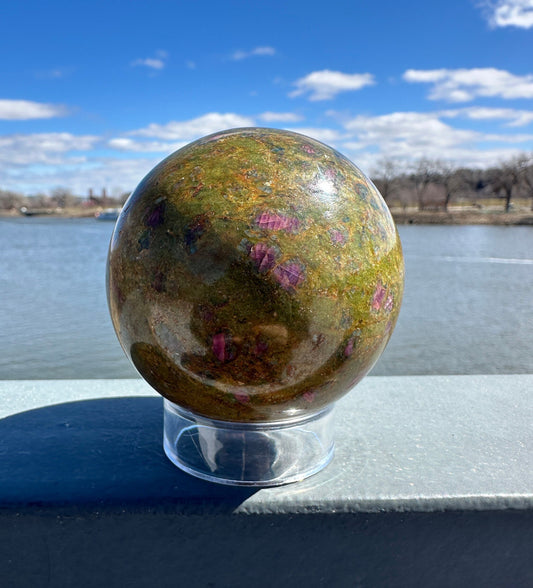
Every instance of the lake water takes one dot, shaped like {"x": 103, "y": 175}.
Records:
{"x": 467, "y": 306}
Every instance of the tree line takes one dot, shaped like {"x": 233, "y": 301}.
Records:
{"x": 59, "y": 198}
{"x": 432, "y": 184}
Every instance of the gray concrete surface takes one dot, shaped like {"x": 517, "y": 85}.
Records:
{"x": 431, "y": 485}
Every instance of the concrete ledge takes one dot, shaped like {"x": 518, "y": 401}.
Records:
{"x": 431, "y": 485}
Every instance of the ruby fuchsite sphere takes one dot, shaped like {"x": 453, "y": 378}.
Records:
{"x": 255, "y": 275}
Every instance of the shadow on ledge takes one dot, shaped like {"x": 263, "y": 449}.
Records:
{"x": 102, "y": 452}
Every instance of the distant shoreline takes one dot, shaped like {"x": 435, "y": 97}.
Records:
{"x": 456, "y": 216}
{"x": 51, "y": 213}
{"x": 461, "y": 217}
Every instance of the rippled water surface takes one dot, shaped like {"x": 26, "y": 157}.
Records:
{"x": 467, "y": 307}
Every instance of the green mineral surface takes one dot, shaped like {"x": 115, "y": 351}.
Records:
{"x": 255, "y": 275}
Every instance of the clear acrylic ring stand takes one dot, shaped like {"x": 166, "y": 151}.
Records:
{"x": 248, "y": 454}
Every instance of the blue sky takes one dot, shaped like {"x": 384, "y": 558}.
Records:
{"x": 94, "y": 94}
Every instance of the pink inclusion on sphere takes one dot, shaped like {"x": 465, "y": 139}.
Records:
{"x": 261, "y": 347}
{"x": 348, "y": 350}
{"x": 379, "y": 297}
{"x": 220, "y": 347}
{"x": 156, "y": 216}
{"x": 389, "y": 303}
{"x": 337, "y": 238}
{"x": 242, "y": 397}
{"x": 309, "y": 396}
{"x": 277, "y": 222}
{"x": 263, "y": 256}
{"x": 289, "y": 275}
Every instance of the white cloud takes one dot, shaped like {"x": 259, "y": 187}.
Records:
{"x": 404, "y": 132}
{"x": 514, "y": 117}
{"x": 42, "y": 148}
{"x": 326, "y": 84}
{"x": 158, "y": 62}
{"x": 462, "y": 85}
{"x": 27, "y": 110}
{"x": 125, "y": 144}
{"x": 79, "y": 175}
{"x": 320, "y": 134}
{"x": 509, "y": 13}
{"x": 499, "y": 138}
{"x": 256, "y": 52}
{"x": 53, "y": 74}
{"x": 194, "y": 128}
{"x": 280, "y": 117}
{"x": 151, "y": 62}
{"x": 462, "y": 157}
{"x": 409, "y": 136}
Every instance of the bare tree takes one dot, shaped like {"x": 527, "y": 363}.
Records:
{"x": 386, "y": 176}
{"x": 512, "y": 176}
{"x": 450, "y": 178}
{"x": 470, "y": 182}
{"x": 525, "y": 165}
{"x": 40, "y": 201}
{"x": 62, "y": 198}
{"x": 423, "y": 175}
{"x": 11, "y": 200}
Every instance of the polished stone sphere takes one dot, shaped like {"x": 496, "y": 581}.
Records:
{"x": 254, "y": 275}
